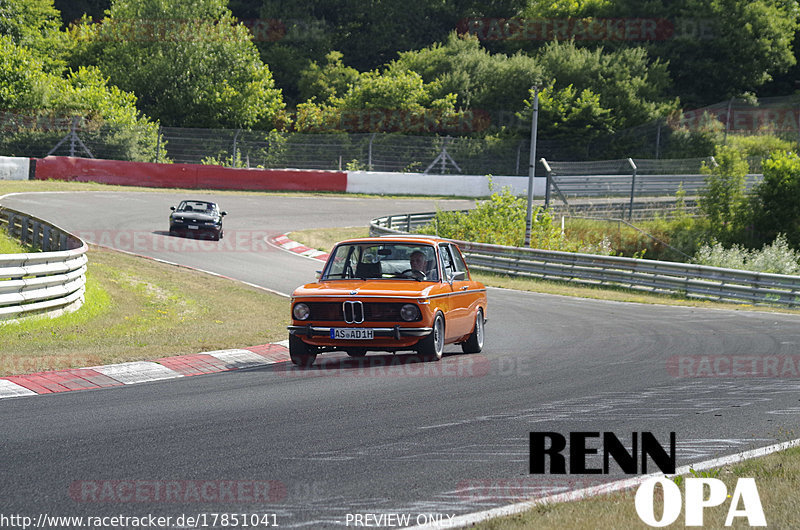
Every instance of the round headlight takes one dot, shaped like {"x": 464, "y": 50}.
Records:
{"x": 301, "y": 311}
{"x": 409, "y": 312}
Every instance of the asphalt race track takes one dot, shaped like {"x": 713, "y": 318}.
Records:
{"x": 382, "y": 434}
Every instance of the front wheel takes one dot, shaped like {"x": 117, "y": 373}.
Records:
{"x": 300, "y": 352}
{"x": 432, "y": 346}
{"x": 474, "y": 343}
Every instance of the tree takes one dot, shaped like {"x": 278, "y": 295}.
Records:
{"x": 625, "y": 80}
{"x": 715, "y": 49}
{"x": 34, "y": 24}
{"x": 324, "y": 83}
{"x": 189, "y": 64}
{"x": 34, "y": 95}
{"x": 368, "y": 34}
{"x": 479, "y": 79}
{"x": 388, "y": 101}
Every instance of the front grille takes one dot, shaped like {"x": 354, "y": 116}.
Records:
{"x": 373, "y": 312}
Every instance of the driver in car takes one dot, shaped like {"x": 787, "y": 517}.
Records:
{"x": 418, "y": 261}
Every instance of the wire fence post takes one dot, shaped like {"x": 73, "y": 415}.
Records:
{"x": 658, "y": 141}
{"x": 633, "y": 187}
{"x": 235, "y": 138}
{"x": 369, "y": 151}
{"x": 548, "y": 182}
{"x": 158, "y": 144}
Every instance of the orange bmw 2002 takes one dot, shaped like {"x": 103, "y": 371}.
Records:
{"x": 391, "y": 293}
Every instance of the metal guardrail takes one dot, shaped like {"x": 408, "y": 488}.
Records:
{"x": 49, "y": 282}
{"x": 691, "y": 281}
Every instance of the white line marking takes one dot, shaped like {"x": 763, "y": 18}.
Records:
{"x": 137, "y": 372}
{"x": 512, "y": 509}
{"x": 235, "y": 359}
{"x": 10, "y": 389}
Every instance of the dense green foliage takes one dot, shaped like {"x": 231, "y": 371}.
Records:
{"x": 777, "y": 198}
{"x": 716, "y": 49}
{"x": 37, "y": 90}
{"x": 239, "y": 63}
{"x": 190, "y": 64}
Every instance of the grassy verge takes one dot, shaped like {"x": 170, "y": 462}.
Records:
{"x": 9, "y": 245}
{"x": 325, "y": 238}
{"x": 140, "y": 309}
{"x": 24, "y": 186}
{"x": 777, "y": 478}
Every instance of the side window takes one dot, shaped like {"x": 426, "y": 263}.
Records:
{"x": 447, "y": 261}
{"x": 458, "y": 260}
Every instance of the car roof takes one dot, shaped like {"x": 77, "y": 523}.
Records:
{"x": 399, "y": 238}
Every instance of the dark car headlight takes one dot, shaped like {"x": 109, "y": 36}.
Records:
{"x": 301, "y": 311}
{"x": 409, "y": 312}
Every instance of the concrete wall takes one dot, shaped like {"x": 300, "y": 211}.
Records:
{"x": 14, "y": 168}
{"x": 419, "y": 184}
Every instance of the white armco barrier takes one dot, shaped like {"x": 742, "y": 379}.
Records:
{"x": 432, "y": 184}
{"x": 14, "y": 168}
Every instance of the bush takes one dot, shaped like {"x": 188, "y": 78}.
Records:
{"x": 777, "y": 208}
{"x": 501, "y": 221}
{"x": 722, "y": 200}
{"x": 760, "y": 146}
{"x": 776, "y": 257}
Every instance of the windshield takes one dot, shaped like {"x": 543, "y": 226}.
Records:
{"x": 410, "y": 261}
{"x": 197, "y": 206}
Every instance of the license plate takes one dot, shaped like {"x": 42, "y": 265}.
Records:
{"x": 190, "y": 227}
{"x": 352, "y": 333}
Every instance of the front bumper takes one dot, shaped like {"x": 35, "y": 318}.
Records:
{"x": 212, "y": 230}
{"x": 395, "y": 332}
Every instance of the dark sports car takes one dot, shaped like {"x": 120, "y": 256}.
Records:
{"x": 196, "y": 219}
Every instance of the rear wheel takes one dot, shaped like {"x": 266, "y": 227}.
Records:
{"x": 432, "y": 346}
{"x": 300, "y": 352}
{"x": 474, "y": 343}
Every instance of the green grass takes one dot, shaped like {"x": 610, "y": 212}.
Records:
{"x": 9, "y": 245}
{"x": 324, "y": 239}
{"x": 139, "y": 309}
{"x": 777, "y": 478}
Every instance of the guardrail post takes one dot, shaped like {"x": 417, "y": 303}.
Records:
{"x": 36, "y": 235}
{"x": 23, "y": 232}
{"x": 46, "y": 239}
{"x": 408, "y": 223}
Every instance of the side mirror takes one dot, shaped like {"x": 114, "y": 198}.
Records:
{"x": 223, "y": 213}
{"x": 318, "y": 274}
{"x": 458, "y": 276}
{"x": 172, "y": 208}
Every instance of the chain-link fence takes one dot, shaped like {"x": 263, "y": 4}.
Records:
{"x": 40, "y": 134}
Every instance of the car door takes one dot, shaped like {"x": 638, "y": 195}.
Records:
{"x": 459, "y": 318}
